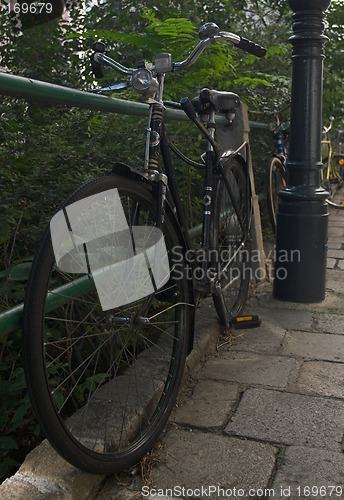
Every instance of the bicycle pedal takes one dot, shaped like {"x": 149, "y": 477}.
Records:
{"x": 243, "y": 322}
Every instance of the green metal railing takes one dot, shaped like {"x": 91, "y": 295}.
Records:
{"x": 26, "y": 88}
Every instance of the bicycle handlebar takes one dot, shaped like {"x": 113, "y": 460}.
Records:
{"x": 237, "y": 40}
{"x": 327, "y": 129}
{"x": 209, "y": 33}
{"x": 251, "y": 47}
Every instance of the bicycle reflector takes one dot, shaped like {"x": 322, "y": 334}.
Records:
{"x": 144, "y": 82}
{"x": 91, "y": 236}
{"x": 341, "y": 161}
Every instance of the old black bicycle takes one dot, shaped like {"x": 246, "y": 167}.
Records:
{"x": 110, "y": 305}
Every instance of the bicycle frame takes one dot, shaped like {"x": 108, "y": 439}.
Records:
{"x": 281, "y": 152}
{"x": 280, "y": 144}
{"x": 331, "y": 173}
{"x": 167, "y": 189}
{"x": 148, "y": 80}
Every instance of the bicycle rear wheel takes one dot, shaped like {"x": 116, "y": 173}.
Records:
{"x": 231, "y": 247}
{"x": 103, "y": 376}
{"x": 276, "y": 179}
{"x": 336, "y": 204}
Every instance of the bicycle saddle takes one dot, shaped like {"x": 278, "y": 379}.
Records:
{"x": 222, "y": 101}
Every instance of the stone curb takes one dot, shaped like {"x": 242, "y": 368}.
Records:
{"x": 45, "y": 475}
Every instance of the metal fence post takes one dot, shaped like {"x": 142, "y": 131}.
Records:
{"x": 302, "y": 219}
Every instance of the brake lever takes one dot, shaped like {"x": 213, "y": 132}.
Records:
{"x": 117, "y": 86}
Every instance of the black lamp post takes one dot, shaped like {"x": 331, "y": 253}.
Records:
{"x": 302, "y": 218}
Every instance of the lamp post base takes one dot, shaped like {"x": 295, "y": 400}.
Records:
{"x": 301, "y": 249}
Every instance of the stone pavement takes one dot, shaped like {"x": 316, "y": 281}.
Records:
{"x": 264, "y": 416}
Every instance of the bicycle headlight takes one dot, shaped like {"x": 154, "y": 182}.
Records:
{"x": 144, "y": 82}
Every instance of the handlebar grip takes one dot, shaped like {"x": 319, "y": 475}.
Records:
{"x": 97, "y": 68}
{"x": 251, "y": 47}
{"x": 188, "y": 108}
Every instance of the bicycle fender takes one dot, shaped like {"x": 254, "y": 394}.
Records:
{"x": 282, "y": 158}
{"x": 230, "y": 154}
{"x": 185, "y": 247}
{"x": 192, "y": 308}
{"x": 130, "y": 172}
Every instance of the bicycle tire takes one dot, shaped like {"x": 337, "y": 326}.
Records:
{"x": 335, "y": 204}
{"x": 103, "y": 390}
{"x": 276, "y": 179}
{"x": 231, "y": 246}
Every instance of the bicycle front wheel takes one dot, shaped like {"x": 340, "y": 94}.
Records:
{"x": 105, "y": 350}
{"x": 231, "y": 247}
{"x": 276, "y": 179}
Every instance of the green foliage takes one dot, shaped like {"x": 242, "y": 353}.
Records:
{"x": 334, "y": 66}
{"x": 21, "y": 431}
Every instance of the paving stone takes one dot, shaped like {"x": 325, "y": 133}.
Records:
{"x": 331, "y": 263}
{"x": 304, "y": 467}
{"x": 334, "y": 281}
{"x": 335, "y": 275}
{"x": 114, "y": 489}
{"x": 337, "y": 232}
{"x": 15, "y": 489}
{"x": 209, "y": 406}
{"x": 196, "y": 459}
{"x": 340, "y": 264}
{"x": 323, "y": 346}
{"x": 322, "y": 378}
{"x": 45, "y": 469}
{"x": 336, "y": 221}
{"x": 151, "y": 496}
{"x": 281, "y": 317}
{"x": 330, "y": 323}
{"x": 336, "y": 239}
{"x": 268, "y": 338}
{"x": 336, "y": 214}
{"x": 336, "y": 254}
{"x": 335, "y": 246}
{"x": 292, "y": 419}
{"x": 249, "y": 368}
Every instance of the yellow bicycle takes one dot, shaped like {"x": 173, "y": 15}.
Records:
{"x": 333, "y": 163}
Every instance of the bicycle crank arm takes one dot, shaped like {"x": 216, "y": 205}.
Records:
{"x": 243, "y": 322}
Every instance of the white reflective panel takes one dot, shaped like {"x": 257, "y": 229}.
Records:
{"x": 121, "y": 282}
{"x": 127, "y": 265}
{"x": 90, "y": 218}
